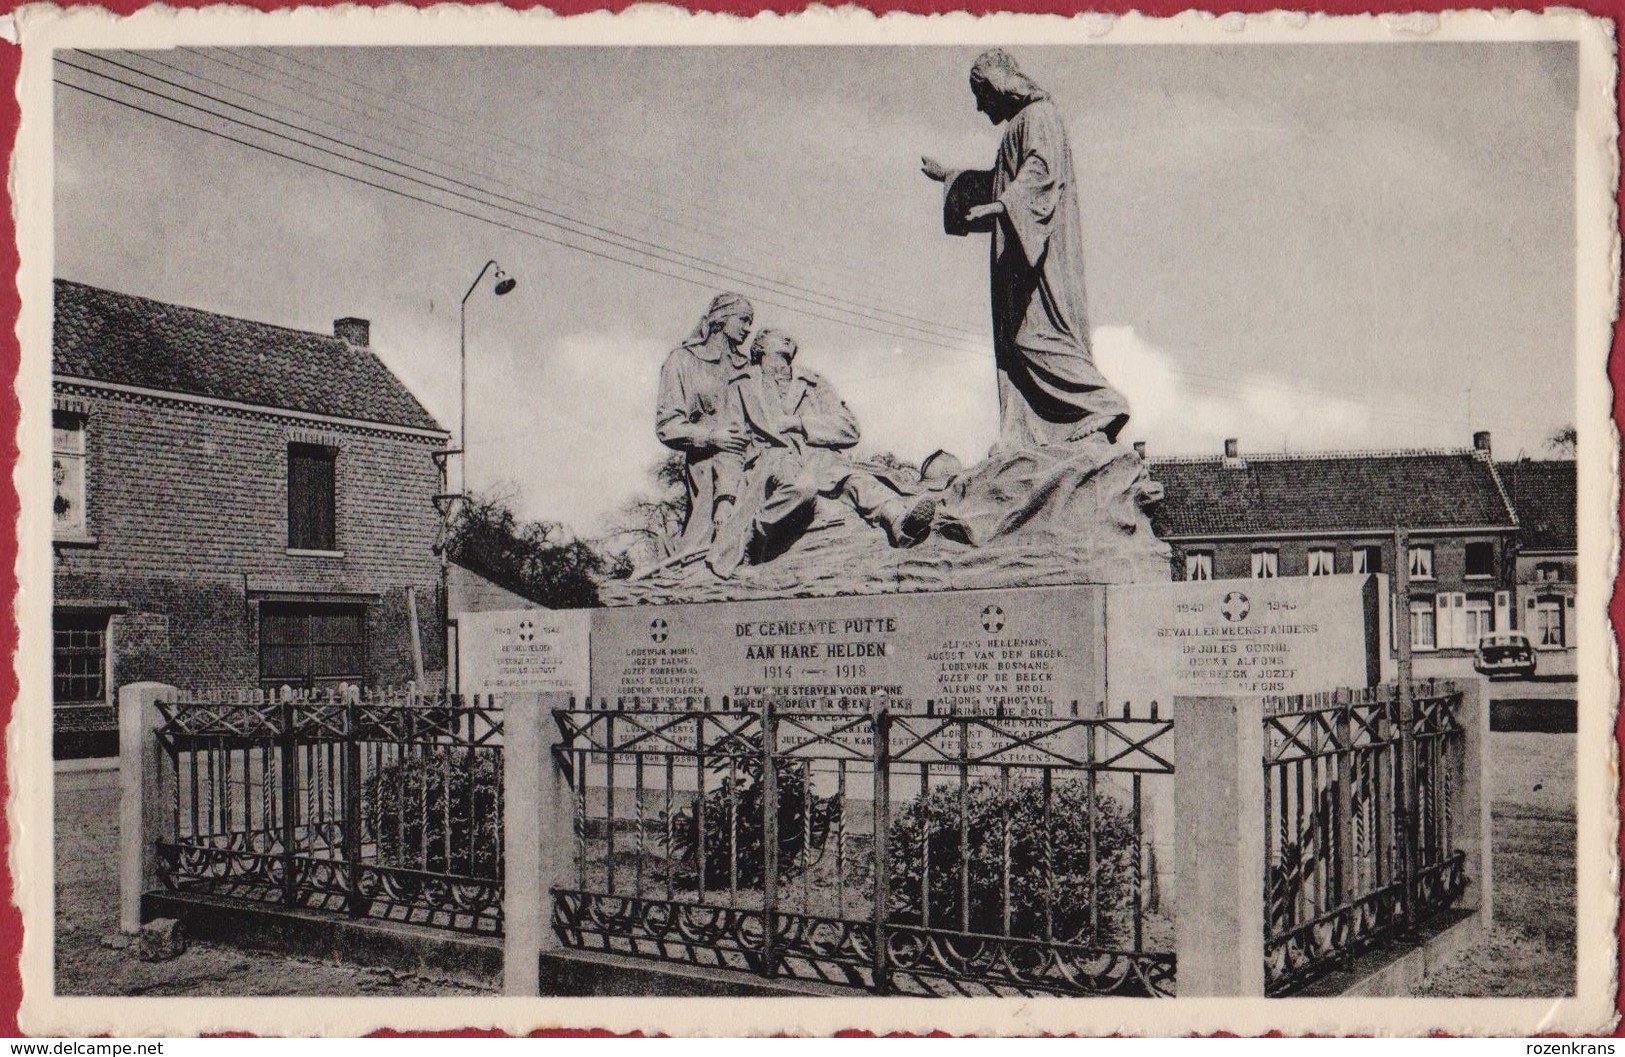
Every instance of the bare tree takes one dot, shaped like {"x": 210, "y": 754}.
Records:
{"x": 648, "y": 527}
{"x": 1561, "y": 442}
{"x": 541, "y": 560}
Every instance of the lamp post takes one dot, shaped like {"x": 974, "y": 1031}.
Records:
{"x": 504, "y": 284}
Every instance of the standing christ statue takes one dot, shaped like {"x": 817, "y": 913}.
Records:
{"x": 1049, "y": 389}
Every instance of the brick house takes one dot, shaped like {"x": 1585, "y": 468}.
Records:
{"x": 1321, "y": 514}
{"x": 1544, "y": 495}
{"x": 237, "y": 504}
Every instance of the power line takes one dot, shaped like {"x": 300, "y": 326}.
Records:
{"x": 472, "y": 216}
{"x": 659, "y": 205}
{"x": 559, "y": 220}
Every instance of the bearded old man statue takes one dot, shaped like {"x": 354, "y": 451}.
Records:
{"x": 1049, "y": 389}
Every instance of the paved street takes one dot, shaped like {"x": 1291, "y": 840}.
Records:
{"x": 1555, "y": 687}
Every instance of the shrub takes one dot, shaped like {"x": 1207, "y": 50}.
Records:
{"x": 438, "y": 811}
{"x": 933, "y": 821}
{"x": 734, "y": 837}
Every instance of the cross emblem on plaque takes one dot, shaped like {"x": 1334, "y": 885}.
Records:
{"x": 527, "y": 630}
{"x": 658, "y": 629}
{"x": 992, "y": 620}
{"x": 1235, "y": 607}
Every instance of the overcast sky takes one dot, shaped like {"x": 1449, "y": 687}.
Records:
{"x": 1301, "y": 246}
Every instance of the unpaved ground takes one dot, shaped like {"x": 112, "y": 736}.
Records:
{"x": 1530, "y": 951}
{"x": 93, "y": 958}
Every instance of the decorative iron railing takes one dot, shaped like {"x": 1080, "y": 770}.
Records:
{"x": 1360, "y": 821}
{"x": 918, "y": 854}
{"x": 375, "y": 805}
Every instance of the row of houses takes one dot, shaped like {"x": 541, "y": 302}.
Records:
{"x": 241, "y": 504}
{"x": 1488, "y": 546}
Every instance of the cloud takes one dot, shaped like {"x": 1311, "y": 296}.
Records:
{"x": 1179, "y": 409}
{"x": 911, "y": 403}
{"x": 572, "y": 429}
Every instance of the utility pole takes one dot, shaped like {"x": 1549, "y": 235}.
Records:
{"x": 1405, "y": 717}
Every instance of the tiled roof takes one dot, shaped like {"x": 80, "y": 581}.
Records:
{"x": 1543, "y": 493}
{"x": 1271, "y": 495}
{"x": 127, "y": 340}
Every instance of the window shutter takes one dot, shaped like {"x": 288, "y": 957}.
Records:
{"x": 311, "y": 498}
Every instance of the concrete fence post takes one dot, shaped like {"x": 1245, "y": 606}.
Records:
{"x": 1219, "y": 845}
{"x": 536, "y": 835}
{"x": 1472, "y": 809}
{"x": 146, "y": 795}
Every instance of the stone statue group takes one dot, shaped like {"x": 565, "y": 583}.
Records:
{"x": 763, "y": 442}
{"x": 764, "y": 439}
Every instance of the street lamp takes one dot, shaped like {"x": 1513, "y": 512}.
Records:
{"x": 503, "y": 284}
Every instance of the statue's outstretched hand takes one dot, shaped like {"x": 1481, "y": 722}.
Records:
{"x": 991, "y": 209}
{"x": 933, "y": 168}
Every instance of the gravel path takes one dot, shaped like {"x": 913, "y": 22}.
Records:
{"x": 94, "y": 958}
{"x": 1530, "y": 951}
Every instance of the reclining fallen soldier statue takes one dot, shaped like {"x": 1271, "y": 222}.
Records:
{"x": 798, "y": 427}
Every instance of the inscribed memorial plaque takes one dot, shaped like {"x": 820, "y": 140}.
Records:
{"x": 523, "y": 651}
{"x": 1295, "y": 635}
{"x": 1027, "y": 651}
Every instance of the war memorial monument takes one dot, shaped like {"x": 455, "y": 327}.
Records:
{"x": 863, "y": 728}
{"x": 1005, "y": 745}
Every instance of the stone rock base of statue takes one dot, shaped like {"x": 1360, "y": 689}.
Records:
{"x": 1067, "y": 514}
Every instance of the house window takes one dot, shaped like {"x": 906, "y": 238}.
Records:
{"x": 1368, "y": 559}
{"x": 311, "y": 498}
{"x": 79, "y": 659}
{"x": 68, "y": 473}
{"x": 1322, "y": 561}
{"x": 1481, "y": 559}
{"x": 1199, "y": 565}
{"x": 312, "y": 644}
{"x": 1548, "y": 629}
{"x": 1480, "y": 619}
{"x": 1266, "y": 565}
{"x": 1549, "y": 572}
{"x": 1421, "y": 563}
{"x": 1422, "y": 624}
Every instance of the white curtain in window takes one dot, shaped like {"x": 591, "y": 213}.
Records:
{"x": 1422, "y": 624}
{"x": 68, "y": 475}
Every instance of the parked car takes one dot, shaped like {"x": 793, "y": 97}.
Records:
{"x": 1505, "y": 653}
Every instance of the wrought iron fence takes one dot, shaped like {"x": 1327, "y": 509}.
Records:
{"x": 381, "y": 804}
{"x": 1360, "y": 791}
{"x": 905, "y": 853}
